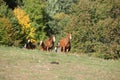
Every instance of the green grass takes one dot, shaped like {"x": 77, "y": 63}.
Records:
{"x": 22, "y": 64}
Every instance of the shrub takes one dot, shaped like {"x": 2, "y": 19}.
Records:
{"x": 6, "y": 32}
{"x": 94, "y": 28}
{"x": 26, "y": 30}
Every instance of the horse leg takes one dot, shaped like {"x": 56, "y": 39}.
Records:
{"x": 61, "y": 49}
{"x": 67, "y": 49}
{"x": 64, "y": 49}
{"x": 47, "y": 49}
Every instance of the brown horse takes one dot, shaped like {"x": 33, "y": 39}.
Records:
{"x": 65, "y": 44}
{"x": 49, "y": 43}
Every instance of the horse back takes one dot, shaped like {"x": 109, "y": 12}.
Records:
{"x": 49, "y": 43}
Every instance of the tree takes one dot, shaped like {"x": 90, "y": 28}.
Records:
{"x": 58, "y": 11}
{"x": 35, "y": 9}
{"x": 94, "y": 28}
{"x": 9, "y": 25}
{"x": 26, "y": 30}
{"x": 6, "y": 32}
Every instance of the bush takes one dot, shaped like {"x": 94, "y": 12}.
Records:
{"x": 6, "y": 32}
{"x": 94, "y": 28}
{"x": 107, "y": 51}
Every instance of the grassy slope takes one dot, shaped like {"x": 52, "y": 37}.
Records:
{"x": 21, "y": 64}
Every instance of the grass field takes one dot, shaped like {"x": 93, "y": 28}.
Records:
{"x": 22, "y": 64}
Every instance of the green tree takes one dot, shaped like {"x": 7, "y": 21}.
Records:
{"x": 95, "y": 27}
{"x": 8, "y": 25}
{"x": 6, "y": 32}
{"x": 35, "y": 9}
{"x": 26, "y": 29}
{"x": 58, "y": 11}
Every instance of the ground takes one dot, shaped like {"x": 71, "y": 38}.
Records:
{"x": 22, "y": 64}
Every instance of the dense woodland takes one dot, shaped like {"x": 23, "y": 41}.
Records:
{"x": 95, "y": 24}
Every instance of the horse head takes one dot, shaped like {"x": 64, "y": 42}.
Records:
{"x": 70, "y": 36}
{"x": 28, "y": 41}
{"x": 41, "y": 42}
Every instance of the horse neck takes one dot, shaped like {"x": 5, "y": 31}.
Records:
{"x": 68, "y": 39}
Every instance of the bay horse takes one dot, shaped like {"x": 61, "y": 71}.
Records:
{"x": 49, "y": 43}
{"x": 29, "y": 45}
{"x": 65, "y": 44}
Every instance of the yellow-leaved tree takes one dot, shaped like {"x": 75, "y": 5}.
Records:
{"x": 23, "y": 19}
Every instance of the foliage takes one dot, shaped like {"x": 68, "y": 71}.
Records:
{"x": 94, "y": 29}
{"x": 24, "y": 21}
{"x": 94, "y": 24}
{"x": 4, "y": 11}
{"x": 35, "y": 9}
{"x": 8, "y": 24}
{"x": 58, "y": 11}
{"x": 6, "y": 32}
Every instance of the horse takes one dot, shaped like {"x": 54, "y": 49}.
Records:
{"x": 29, "y": 45}
{"x": 42, "y": 46}
{"x": 49, "y": 43}
{"x": 65, "y": 44}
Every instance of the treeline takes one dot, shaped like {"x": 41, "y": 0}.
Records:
{"x": 95, "y": 24}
